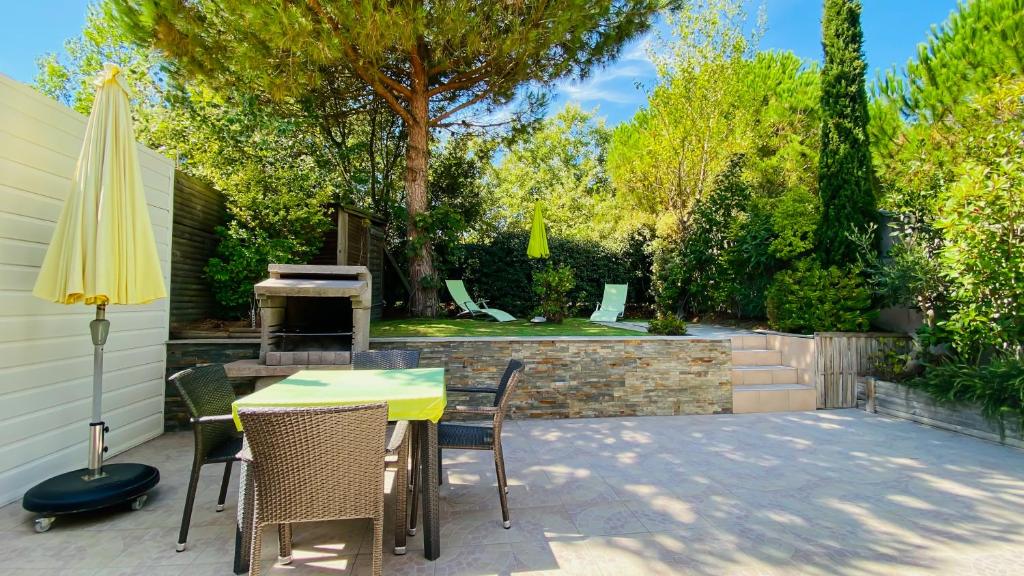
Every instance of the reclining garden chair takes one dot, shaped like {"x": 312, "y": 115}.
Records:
{"x": 613, "y": 305}
{"x": 470, "y": 308}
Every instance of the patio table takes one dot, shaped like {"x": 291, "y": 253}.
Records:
{"x": 417, "y": 395}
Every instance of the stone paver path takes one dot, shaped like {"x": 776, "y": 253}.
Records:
{"x": 838, "y": 492}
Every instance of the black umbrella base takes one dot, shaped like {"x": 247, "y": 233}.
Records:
{"x": 71, "y": 493}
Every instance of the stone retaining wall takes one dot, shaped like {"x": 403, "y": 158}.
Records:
{"x": 182, "y": 354}
{"x": 575, "y": 377}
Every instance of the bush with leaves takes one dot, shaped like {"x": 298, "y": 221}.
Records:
{"x": 997, "y": 388}
{"x": 552, "y": 286}
{"x": 241, "y": 261}
{"x": 667, "y": 325}
{"x": 811, "y": 298}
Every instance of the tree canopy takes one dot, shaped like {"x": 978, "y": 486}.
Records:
{"x": 434, "y": 63}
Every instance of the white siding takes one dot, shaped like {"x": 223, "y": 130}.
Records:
{"x": 45, "y": 350}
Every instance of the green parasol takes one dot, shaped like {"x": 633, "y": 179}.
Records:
{"x": 538, "y": 247}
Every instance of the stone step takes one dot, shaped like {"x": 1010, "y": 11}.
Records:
{"x": 750, "y": 342}
{"x": 773, "y": 398}
{"x": 756, "y": 357}
{"x": 754, "y": 375}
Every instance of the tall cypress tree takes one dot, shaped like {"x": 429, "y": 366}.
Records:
{"x": 846, "y": 178}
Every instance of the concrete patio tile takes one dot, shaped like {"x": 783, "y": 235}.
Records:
{"x": 541, "y": 524}
{"x": 669, "y": 514}
{"x": 559, "y": 557}
{"x": 476, "y": 561}
{"x": 836, "y": 492}
{"x": 407, "y": 564}
{"x": 474, "y": 528}
{"x": 608, "y": 519}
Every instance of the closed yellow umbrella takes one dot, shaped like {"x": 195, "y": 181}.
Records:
{"x": 538, "y": 247}
{"x": 102, "y": 252}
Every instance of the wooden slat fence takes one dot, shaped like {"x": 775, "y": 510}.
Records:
{"x": 842, "y": 357}
{"x": 198, "y": 209}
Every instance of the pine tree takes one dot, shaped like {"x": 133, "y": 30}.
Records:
{"x": 434, "y": 63}
{"x": 846, "y": 180}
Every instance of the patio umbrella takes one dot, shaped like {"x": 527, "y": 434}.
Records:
{"x": 538, "y": 247}
{"x": 102, "y": 252}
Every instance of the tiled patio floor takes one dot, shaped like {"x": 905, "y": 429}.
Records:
{"x": 839, "y": 492}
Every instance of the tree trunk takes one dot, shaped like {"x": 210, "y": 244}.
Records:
{"x": 421, "y": 262}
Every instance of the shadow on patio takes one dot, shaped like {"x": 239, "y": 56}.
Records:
{"x": 840, "y": 492}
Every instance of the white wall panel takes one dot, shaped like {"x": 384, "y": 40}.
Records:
{"x": 45, "y": 351}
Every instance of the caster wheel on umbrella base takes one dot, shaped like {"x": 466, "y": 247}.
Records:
{"x": 44, "y": 524}
{"x": 139, "y": 502}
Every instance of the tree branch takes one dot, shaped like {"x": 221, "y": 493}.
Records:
{"x": 435, "y": 121}
{"x": 370, "y": 77}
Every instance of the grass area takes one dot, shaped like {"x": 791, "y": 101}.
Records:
{"x": 473, "y": 327}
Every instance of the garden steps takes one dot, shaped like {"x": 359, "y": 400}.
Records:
{"x": 762, "y": 382}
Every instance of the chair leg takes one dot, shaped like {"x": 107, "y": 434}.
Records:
{"x": 401, "y": 496}
{"x": 499, "y": 468}
{"x": 224, "y": 485}
{"x": 284, "y": 543}
{"x": 440, "y": 470}
{"x": 190, "y": 499}
{"x": 378, "y": 546}
{"x": 255, "y": 549}
{"x": 414, "y": 484}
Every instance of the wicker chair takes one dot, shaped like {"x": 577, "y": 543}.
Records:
{"x": 385, "y": 360}
{"x": 397, "y": 458}
{"x": 208, "y": 395}
{"x": 468, "y": 437}
{"x": 312, "y": 464}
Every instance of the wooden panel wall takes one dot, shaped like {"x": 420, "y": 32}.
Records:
{"x": 198, "y": 209}
{"x": 842, "y": 357}
{"x": 45, "y": 349}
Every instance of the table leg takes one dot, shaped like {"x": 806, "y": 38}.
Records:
{"x": 243, "y": 522}
{"x": 428, "y": 484}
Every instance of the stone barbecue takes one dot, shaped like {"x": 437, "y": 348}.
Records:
{"x": 313, "y": 315}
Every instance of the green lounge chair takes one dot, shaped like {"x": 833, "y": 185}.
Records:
{"x": 613, "y": 305}
{"x": 461, "y": 297}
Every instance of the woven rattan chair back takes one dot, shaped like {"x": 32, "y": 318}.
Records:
{"x": 385, "y": 360}
{"x": 317, "y": 463}
{"x": 513, "y": 372}
{"x": 207, "y": 391}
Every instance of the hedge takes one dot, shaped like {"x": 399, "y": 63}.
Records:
{"x": 500, "y": 271}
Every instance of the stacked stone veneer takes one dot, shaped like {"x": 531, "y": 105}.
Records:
{"x": 182, "y": 354}
{"x": 574, "y": 377}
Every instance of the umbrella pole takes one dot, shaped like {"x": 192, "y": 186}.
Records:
{"x": 99, "y": 329}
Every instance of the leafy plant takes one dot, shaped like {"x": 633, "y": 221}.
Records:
{"x": 845, "y": 174}
{"x": 998, "y": 387}
{"x": 241, "y": 261}
{"x": 810, "y": 298}
{"x": 552, "y": 285}
{"x": 667, "y": 325}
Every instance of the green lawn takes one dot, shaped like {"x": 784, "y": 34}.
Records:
{"x": 468, "y": 327}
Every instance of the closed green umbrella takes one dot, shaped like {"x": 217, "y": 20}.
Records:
{"x": 538, "y": 247}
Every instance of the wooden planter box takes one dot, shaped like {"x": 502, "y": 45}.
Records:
{"x": 900, "y": 401}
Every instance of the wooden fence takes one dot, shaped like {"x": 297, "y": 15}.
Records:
{"x": 198, "y": 209}
{"x": 842, "y": 357}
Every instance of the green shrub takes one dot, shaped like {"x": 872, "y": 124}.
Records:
{"x": 998, "y": 387}
{"x": 809, "y": 298}
{"x": 241, "y": 261}
{"x": 552, "y": 285}
{"x": 500, "y": 271}
{"x": 667, "y": 325}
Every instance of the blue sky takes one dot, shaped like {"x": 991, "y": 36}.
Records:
{"x": 892, "y": 30}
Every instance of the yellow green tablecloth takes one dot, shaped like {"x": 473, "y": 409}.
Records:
{"x": 413, "y": 394}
